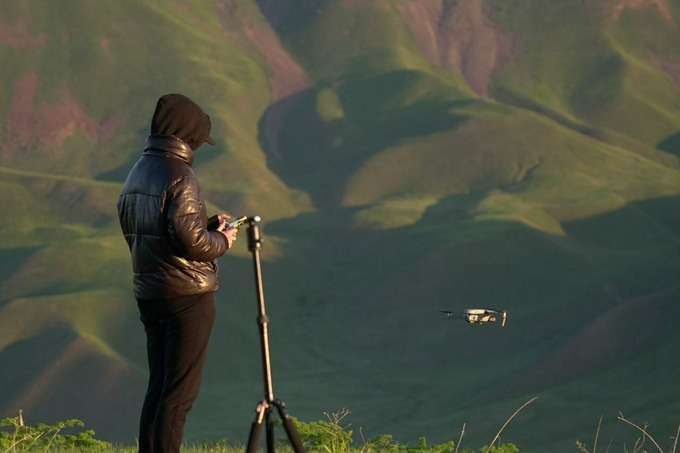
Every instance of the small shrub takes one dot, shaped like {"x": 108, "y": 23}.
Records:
{"x": 41, "y": 437}
{"x": 424, "y": 448}
{"x": 334, "y": 436}
{"x": 330, "y": 436}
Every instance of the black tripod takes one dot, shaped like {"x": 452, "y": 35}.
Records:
{"x": 264, "y": 410}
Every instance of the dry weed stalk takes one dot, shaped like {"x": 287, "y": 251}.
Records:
{"x": 460, "y": 439}
{"x": 508, "y": 421}
{"x": 597, "y": 434}
{"x": 645, "y": 434}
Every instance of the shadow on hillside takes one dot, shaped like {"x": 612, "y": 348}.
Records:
{"x": 12, "y": 260}
{"x": 282, "y": 15}
{"x": 319, "y": 157}
{"x": 58, "y": 375}
{"x": 671, "y": 144}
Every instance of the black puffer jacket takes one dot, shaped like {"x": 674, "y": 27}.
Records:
{"x": 164, "y": 222}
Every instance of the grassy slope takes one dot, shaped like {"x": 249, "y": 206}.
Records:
{"x": 426, "y": 198}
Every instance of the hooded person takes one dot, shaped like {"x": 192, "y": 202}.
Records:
{"x": 179, "y": 116}
{"x": 174, "y": 266}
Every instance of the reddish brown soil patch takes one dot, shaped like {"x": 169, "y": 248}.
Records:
{"x": 17, "y": 36}
{"x": 286, "y": 76}
{"x": 670, "y": 69}
{"x": 460, "y": 35}
{"x": 29, "y": 123}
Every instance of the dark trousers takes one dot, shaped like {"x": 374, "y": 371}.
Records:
{"x": 177, "y": 335}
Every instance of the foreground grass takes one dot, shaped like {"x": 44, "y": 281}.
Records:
{"x": 330, "y": 436}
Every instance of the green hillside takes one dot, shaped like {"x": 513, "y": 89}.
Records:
{"x": 407, "y": 157}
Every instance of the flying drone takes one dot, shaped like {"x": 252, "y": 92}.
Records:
{"x": 478, "y": 315}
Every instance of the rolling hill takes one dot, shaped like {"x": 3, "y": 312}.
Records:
{"x": 407, "y": 157}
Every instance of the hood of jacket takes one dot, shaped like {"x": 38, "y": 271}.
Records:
{"x": 177, "y": 115}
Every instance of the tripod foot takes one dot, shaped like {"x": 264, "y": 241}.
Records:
{"x": 263, "y": 416}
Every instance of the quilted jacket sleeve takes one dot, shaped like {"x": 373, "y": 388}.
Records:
{"x": 187, "y": 222}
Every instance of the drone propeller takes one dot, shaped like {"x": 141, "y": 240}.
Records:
{"x": 450, "y": 314}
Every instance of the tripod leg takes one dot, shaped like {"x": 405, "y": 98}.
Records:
{"x": 289, "y": 426}
{"x": 270, "y": 431}
{"x": 256, "y": 427}
{"x": 264, "y": 410}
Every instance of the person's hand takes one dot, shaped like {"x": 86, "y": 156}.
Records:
{"x": 223, "y": 218}
{"x": 229, "y": 233}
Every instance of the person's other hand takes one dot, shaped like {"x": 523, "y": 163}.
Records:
{"x": 223, "y": 218}
{"x": 228, "y": 233}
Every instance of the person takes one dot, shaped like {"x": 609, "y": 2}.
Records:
{"x": 174, "y": 248}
